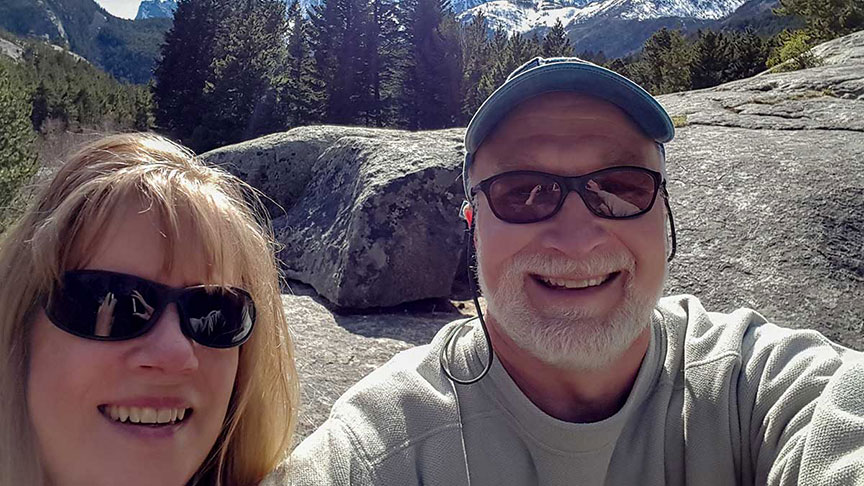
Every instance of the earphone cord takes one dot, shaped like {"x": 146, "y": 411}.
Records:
{"x": 443, "y": 358}
{"x": 671, "y": 224}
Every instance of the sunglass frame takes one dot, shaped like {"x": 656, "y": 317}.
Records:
{"x": 167, "y": 295}
{"x": 572, "y": 184}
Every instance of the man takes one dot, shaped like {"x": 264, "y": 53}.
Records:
{"x": 595, "y": 380}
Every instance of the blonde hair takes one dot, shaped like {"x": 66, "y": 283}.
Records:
{"x": 225, "y": 217}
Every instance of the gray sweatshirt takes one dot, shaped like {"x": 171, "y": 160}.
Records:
{"x": 720, "y": 399}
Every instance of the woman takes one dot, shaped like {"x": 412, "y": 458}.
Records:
{"x": 142, "y": 331}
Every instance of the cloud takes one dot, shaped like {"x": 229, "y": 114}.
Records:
{"x": 126, "y": 9}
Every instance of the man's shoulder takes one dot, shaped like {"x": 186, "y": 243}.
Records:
{"x": 701, "y": 337}
{"x": 407, "y": 398}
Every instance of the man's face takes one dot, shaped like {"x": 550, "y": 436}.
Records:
{"x": 574, "y": 290}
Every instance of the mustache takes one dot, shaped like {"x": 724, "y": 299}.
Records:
{"x": 562, "y": 266}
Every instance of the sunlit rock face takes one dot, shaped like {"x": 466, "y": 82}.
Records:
{"x": 767, "y": 186}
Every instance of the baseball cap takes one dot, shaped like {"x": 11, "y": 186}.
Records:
{"x": 544, "y": 75}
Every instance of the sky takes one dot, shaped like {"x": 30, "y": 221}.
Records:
{"x": 126, "y": 9}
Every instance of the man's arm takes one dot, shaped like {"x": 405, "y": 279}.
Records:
{"x": 327, "y": 457}
{"x": 807, "y": 421}
{"x": 830, "y": 448}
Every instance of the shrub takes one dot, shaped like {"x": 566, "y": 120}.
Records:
{"x": 793, "y": 52}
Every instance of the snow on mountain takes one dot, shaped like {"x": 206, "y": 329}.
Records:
{"x": 527, "y": 15}
{"x": 150, "y": 9}
{"x": 523, "y": 17}
{"x": 695, "y": 9}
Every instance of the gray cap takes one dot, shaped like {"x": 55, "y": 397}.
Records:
{"x": 540, "y": 75}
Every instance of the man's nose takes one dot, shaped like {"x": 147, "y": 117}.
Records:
{"x": 575, "y": 230}
{"x": 165, "y": 348}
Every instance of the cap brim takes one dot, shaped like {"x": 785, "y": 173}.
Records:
{"x": 579, "y": 77}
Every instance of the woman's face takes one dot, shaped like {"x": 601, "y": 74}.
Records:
{"x": 73, "y": 383}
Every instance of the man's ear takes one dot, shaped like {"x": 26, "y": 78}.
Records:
{"x": 467, "y": 213}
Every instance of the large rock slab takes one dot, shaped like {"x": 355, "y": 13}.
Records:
{"x": 378, "y": 222}
{"x": 280, "y": 165}
{"x": 845, "y": 50}
{"x": 368, "y": 217}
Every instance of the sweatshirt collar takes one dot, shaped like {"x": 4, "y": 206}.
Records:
{"x": 566, "y": 437}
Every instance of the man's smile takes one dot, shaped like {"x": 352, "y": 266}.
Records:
{"x": 561, "y": 283}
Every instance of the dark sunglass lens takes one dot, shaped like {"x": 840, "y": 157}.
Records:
{"x": 102, "y": 305}
{"x": 619, "y": 193}
{"x": 218, "y": 317}
{"x": 524, "y": 198}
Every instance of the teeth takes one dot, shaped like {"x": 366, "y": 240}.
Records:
{"x": 574, "y": 284}
{"x": 164, "y": 415}
{"x": 148, "y": 415}
{"x": 145, "y": 415}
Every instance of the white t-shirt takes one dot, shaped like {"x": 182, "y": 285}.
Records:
{"x": 720, "y": 399}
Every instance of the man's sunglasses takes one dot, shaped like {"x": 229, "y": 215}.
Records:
{"x": 109, "y": 306}
{"x": 525, "y": 196}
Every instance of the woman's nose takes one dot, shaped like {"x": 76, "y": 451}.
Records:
{"x": 165, "y": 348}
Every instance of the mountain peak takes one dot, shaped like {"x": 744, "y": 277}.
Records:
{"x": 616, "y": 27}
{"x": 529, "y": 14}
{"x": 150, "y": 9}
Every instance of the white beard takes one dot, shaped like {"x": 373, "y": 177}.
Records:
{"x": 569, "y": 338}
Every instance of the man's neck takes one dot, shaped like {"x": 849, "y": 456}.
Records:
{"x": 567, "y": 394}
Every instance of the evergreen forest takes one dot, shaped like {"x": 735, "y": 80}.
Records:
{"x": 48, "y": 91}
{"x": 232, "y": 71}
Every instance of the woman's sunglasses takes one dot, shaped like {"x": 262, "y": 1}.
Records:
{"x": 525, "y": 196}
{"x": 109, "y": 306}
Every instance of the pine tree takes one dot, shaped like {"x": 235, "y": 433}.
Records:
{"x": 793, "y": 52}
{"x": 143, "y": 109}
{"x": 521, "y": 49}
{"x": 597, "y": 57}
{"x": 40, "y": 106}
{"x": 382, "y": 52}
{"x": 556, "y": 43}
{"x": 433, "y": 68}
{"x": 299, "y": 92}
{"x": 184, "y": 69}
{"x": 250, "y": 47}
{"x": 339, "y": 42}
{"x": 68, "y": 93}
{"x": 712, "y": 58}
{"x": 668, "y": 56}
{"x": 499, "y": 66}
{"x": 475, "y": 58}
{"x": 17, "y": 160}
{"x": 749, "y": 54}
